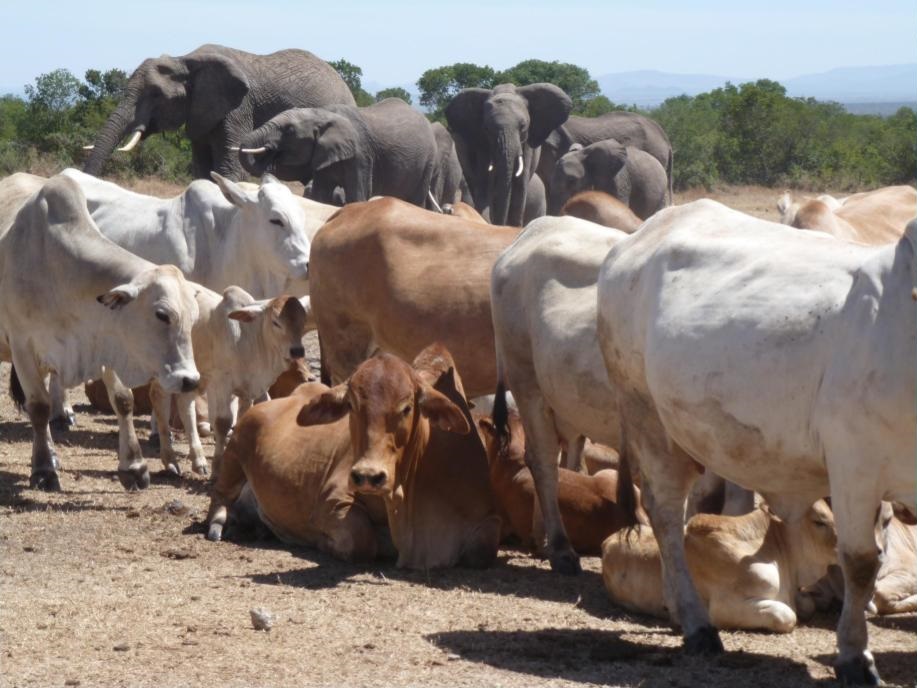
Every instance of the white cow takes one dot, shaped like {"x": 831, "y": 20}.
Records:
{"x": 779, "y": 360}
{"x": 57, "y": 275}
{"x": 240, "y": 347}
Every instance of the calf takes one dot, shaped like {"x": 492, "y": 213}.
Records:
{"x": 747, "y": 569}
{"x": 587, "y": 502}
{"x": 321, "y": 462}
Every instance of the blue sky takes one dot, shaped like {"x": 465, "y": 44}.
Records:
{"x": 394, "y": 41}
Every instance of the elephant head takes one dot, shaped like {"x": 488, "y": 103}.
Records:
{"x": 582, "y": 169}
{"x": 299, "y": 142}
{"x": 496, "y": 132}
{"x": 167, "y": 92}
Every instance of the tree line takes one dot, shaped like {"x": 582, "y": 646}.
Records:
{"x": 739, "y": 134}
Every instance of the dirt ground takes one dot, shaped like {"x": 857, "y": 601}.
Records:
{"x": 100, "y": 587}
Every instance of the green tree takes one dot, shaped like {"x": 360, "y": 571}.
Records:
{"x": 573, "y": 79}
{"x": 353, "y": 77}
{"x": 438, "y": 86}
{"x": 394, "y": 92}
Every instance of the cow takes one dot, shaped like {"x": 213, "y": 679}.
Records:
{"x": 587, "y": 502}
{"x": 603, "y": 209}
{"x": 240, "y": 347}
{"x": 747, "y": 569}
{"x": 388, "y": 275}
{"x": 543, "y": 300}
{"x": 780, "y": 360}
{"x": 391, "y": 445}
{"x": 872, "y": 217}
{"x": 74, "y": 303}
{"x": 464, "y": 210}
{"x": 296, "y": 374}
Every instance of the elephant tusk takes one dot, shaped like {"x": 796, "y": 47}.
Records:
{"x": 133, "y": 142}
{"x": 234, "y": 148}
{"x": 254, "y": 151}
{"x": 521, "y": 165}
{"x": 89, "y": 147}
{"x": 433, "y": 200}
{"x": 490, "y": 167}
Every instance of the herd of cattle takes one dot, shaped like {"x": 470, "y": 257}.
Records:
{"x": 642, "y": 350}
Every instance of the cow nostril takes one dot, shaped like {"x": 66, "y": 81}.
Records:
{"x": 356, "y": 477}
{"x": 188, "y": 384}
{"x": 378, "y": 480}
{"x": 297, "y": 351}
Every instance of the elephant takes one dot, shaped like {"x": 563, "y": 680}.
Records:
{"x": 497, "y": 133}
{"x": 385, "y": 149}
{"x": 631, "y": 175}
{"x": 448, "y": 185}
{"x": 629, "y": 128}
{"x": 218, "y": 94}
{"x": 535, "y": 202}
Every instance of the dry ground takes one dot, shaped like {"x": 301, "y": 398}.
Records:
{"x": 99, "y": 587}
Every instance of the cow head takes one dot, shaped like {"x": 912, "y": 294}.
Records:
{"x": 816, "y": 543}
{"x": 283, "y": 320}
{"x": 502, "y": 452}
{"x": 391, "y": 406}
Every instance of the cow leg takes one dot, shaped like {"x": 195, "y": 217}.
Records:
{"x": 219, "y": 406}
{"x": 38, "y": 405}
{"x": 349, "y": 533}
{"x": 541, "y": 452}
{"x": 162, "y": 408}
{"x": 62, "y": 416}
{"x": 573, "y": 454}
{"x": 227, "y": 486}
{"x": 132, "y": 470}
{"x": 188, "y": 415}
{"x": 859, "y": 556}
{"x": 667, "y": 478}
{"x": 727, "y": 611}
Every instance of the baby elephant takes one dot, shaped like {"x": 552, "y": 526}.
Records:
{"x": 629, "y": 174}
{"x": 385, "y": 149}
{"x": 587, "y": 502}
{"x": 748, "y": 569}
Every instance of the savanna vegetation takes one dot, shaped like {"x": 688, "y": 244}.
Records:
{"x": 738, "y": 134}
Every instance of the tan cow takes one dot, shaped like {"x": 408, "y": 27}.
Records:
{"x": 748, "y": 569}
{"x": 872, "y": 217}
{"x": 388, "y": 275}
{"x": 896, "y": 583}
{"x": 603, "y": 209}
{"x": 328, "y": 467}
{"x": 286, "y": 383}
{"x": 587, "y": 502}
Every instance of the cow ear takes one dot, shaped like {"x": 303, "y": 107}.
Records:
{"x": 442, "y": 412}
{"x": 119, "y": 296}
{"x": 234, "y": 193}
{"x": 487, "y": 426}
{"x": 310, "y": 323}
{"x": 326, "y": 408}
{"x": 247, "y": 313}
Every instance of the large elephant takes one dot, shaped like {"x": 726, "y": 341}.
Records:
{"x": 385, "y": 149}
{"x": 219, "y": 94}
{"x": 631, "y": 175}
{"x": 497, "y": 133}
{"x": 628, "y": 128}
{"x": 448, "y": 184}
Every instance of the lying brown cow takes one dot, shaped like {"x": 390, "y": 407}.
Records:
{"x": 747, "y": 569}
{"x": 296, "y": 374}
{"x": 330, "y": 467}
{"x": 388, "y": 275}
{"x": 587, "y": 502}
{"x": 603, "y": 209}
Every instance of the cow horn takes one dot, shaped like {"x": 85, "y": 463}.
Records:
{"x": 133, "y": 142}
{"x": 254, "y": 151}
{"x": 521, "y": 165}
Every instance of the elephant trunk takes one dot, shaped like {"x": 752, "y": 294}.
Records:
{"x": 122, "y": 120}
{"x": 507, "y": 152}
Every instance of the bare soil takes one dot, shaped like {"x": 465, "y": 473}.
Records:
{"x": 100, "y": 587}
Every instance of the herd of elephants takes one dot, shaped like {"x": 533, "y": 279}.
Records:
{"x": 607, "y": 380}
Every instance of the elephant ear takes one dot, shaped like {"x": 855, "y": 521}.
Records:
{"x": 337, "y": 141}
{"x": 218, "y": 85}
{"x": 465, "y": 112}
{"x": 549, "y": 107}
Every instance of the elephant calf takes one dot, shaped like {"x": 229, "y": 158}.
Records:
{"x": 629, "y": 174}
{"x": 385, "y": 149}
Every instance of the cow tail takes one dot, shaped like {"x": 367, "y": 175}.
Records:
{"x": 500, "y": 413}
{"x": 324, "y": 373}
{"x": 626, "y": 496}
{"x": 16, "y": 391}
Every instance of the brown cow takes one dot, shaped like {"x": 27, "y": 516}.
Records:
{"x": 329, "y": 467}
{"x": 872, "y": 217}
{"x": 587, "y": 502}
{"x": 388, "y": 275}
{"x": 603, "y": 209}
{"x": 296, "y": 374}
{"x": 747, "y": 569}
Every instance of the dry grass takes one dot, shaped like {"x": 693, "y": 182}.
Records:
{"x": 110, "y": 588}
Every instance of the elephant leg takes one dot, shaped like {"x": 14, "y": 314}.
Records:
{"x": 132, "y": 470}
{"x": 201, "y": 159}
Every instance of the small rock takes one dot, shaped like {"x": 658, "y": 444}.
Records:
{"x": 262, "y": 619}
{"x": 121, "y": 647}
{"x": 195, "y": 598}
{"x": 28, "y": 548}
{"x": 452, "y": 657}
{"x": 176, "y": 507}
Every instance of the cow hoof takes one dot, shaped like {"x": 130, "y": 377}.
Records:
{"x": 215, "y": 533}
{"x": 45, "y": 480}
{"x": 63, "y": 423}
{"x": 859, "y": 671}
{"x": 704, "y": 641}
{"x": 201, "y": 469}
{"x": 135, "y": 478}
{"x": 203, "y": 429}
{"x": 172, "y": 468}
{"x": 566, "y": 563}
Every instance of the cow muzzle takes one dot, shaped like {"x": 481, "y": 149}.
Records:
{"x": 369, "y": 479}
{"x": 180, "y": 381}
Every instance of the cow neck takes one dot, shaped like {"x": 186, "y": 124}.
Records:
{"x": 401, "y": 504}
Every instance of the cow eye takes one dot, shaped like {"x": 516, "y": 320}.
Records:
{"x": 406, "y": 411}
{"x": 163, "y": 316}
{"x": 275, "y": 221}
